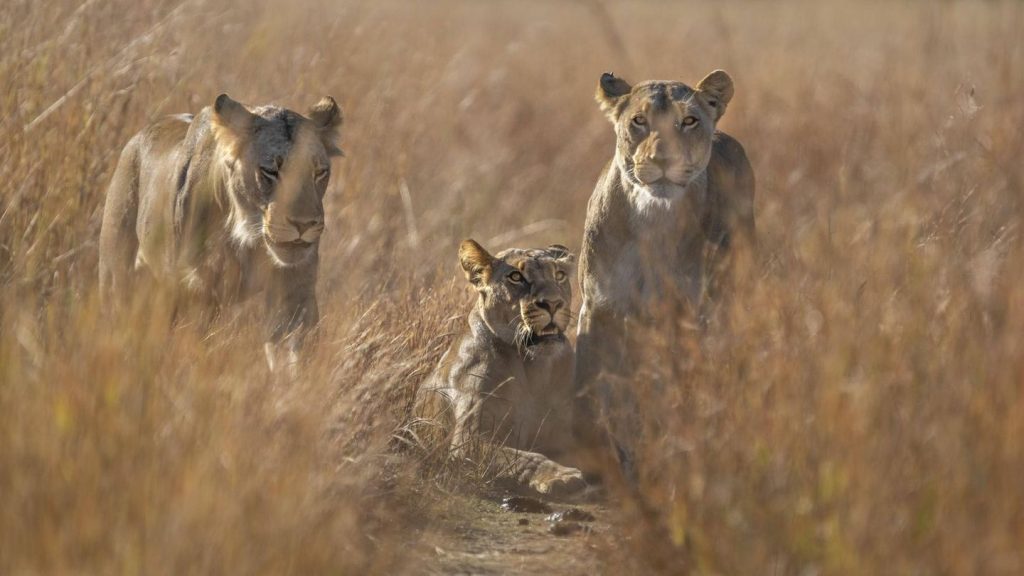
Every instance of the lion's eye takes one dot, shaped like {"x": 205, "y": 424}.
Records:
{"x": 639, "y": 120}
{"x": 268, "y": 173}
{"x": 321, "y": 174}
{"x": 689, "y": 121}
{"x": 560, "y": 276}
{"x": 516, "y": 277}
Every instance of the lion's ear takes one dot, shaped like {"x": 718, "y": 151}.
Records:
{"x": 611, "y": 94}
{"x": 476, "y": 262}
{"x": 716, "y": 89}
{"x": 326, "y": 116}
{"x": 232, "y": 123}
{"x": 562, "y": 254}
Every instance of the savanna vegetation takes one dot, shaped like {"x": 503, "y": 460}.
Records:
{"x": 860, "y": 412}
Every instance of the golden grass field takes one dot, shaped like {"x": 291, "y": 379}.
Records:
{"x": 864, "y": 413}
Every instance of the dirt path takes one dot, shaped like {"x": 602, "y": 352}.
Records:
{"x": 474, "y": 535}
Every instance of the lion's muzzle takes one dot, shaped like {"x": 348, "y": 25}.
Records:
{"x": 290, "y": 238}
{"x": 308, "y": 230}
{"x": 546, "y": 318}
{"x": 654, "y": 170}
{"x": 282, "y": 227}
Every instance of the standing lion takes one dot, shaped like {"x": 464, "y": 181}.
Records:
{"x": 224, "y": 205}
{"x": 676, "y": 190}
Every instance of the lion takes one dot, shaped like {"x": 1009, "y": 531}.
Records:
{"x": 675, "y": 191}
{"x": 505, "y": 384}
{"x": 223, "y": 205}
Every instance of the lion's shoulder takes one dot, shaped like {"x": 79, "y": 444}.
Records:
{"x": 730, "y": 190}
{"x": 166, "y": 131}
{"x": 607, "y": 214}
{"x": 728, "y": 157}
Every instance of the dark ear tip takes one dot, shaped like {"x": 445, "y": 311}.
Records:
{"x": 221, "y": 101}
{"x": 614, "y": 87}
{"x": 560, "y": 252}
{"x": 326, "y": 112}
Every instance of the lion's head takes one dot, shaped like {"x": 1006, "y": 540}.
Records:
{"x": 278, "y": 166}
{"x": 664, "y": 128}
{"x": 525, "y": 295}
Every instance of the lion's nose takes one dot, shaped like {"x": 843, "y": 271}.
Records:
{"x": 550, "y": 306}
{"x": 660, "y": 159}
{"x": 660, "y": 153}
{"x": 303, "y": 225}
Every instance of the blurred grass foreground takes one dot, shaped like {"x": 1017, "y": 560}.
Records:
{"x": 863, "y": 415}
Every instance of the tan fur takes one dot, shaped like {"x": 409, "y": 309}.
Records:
{"x": 675, "y": 190}
{"x": 221, "y": 206}
{"x": 506, "y": 381}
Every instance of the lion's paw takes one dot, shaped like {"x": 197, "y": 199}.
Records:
{"x": 554, "y": 479}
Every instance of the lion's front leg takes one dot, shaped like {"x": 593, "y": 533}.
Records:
{"x": 287, "y": 333}
{"x": 599, "y": 354}
{"x": 587, "y": 367}
{"x": 528, "y": 469}
{"x": 292, "y": 313}
{"x": 603, "y": 404}
{"x": 540, "y": 473}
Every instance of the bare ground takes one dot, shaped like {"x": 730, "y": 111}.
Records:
{"x": 470, "y": 534}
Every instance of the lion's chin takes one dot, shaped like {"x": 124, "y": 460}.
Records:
{"x": 288, "y": 254}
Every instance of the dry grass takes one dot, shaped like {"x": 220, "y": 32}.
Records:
{"x": 864, "y": 414}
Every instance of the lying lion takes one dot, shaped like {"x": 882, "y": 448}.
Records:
{"x": 504, "y": 388}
